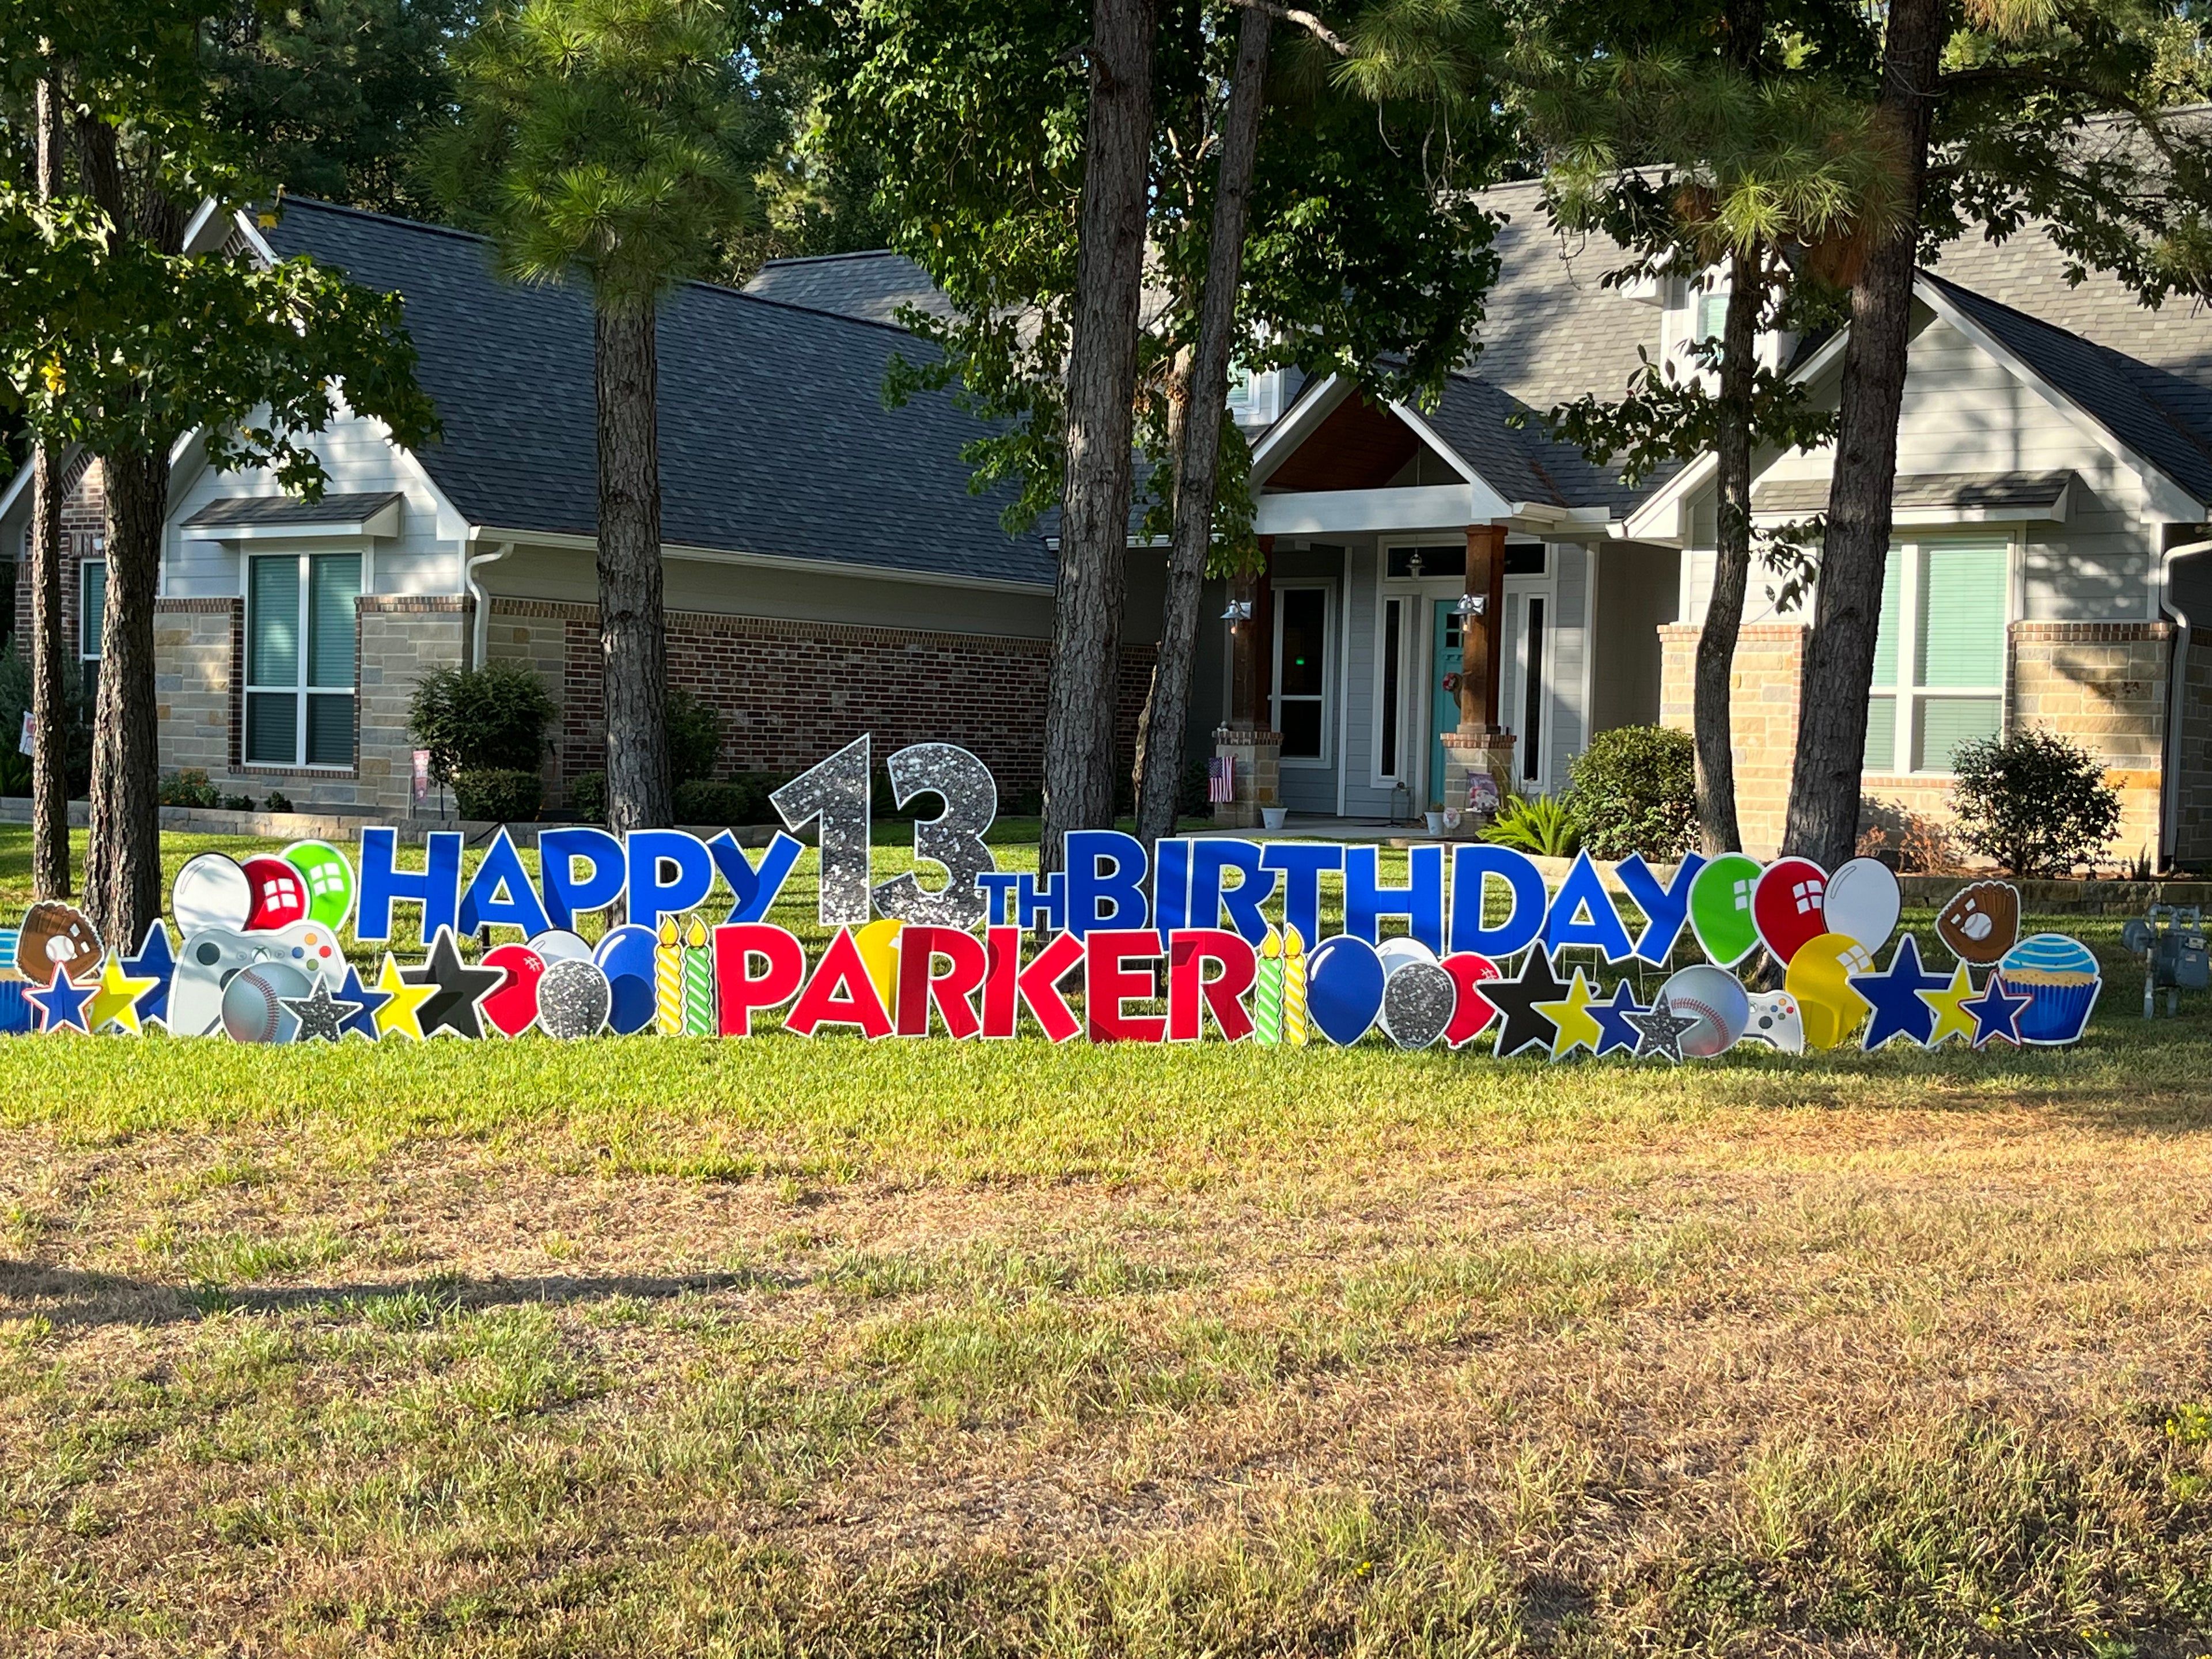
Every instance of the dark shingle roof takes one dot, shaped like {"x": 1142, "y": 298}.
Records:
{"x": 870, "y": 286}
{"x": 1519, "y": 461}
{"x": 250, "y": 511}
{"x": 773, "y": 438}
{"x": 2163, "y": 416}
{"x": 2034, "y": 491}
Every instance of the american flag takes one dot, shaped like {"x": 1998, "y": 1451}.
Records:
{"x": 1221, "y": 779}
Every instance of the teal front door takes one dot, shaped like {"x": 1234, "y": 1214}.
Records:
{"x": 1443, "y": 705}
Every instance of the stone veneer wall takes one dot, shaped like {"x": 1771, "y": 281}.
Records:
{"x": 793, "y": 692}
{"x": 1763, "y": 695}
{"x": 2101, "y": 683}
{"x": 195, "y": 693}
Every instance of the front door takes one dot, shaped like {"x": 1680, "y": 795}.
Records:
{"x": 1521, "y": 686}
{"x": 1444, "y": 656}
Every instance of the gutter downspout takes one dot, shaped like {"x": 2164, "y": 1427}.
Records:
{"x": 2177, "y": 679}
{"x": 480, "y": 632}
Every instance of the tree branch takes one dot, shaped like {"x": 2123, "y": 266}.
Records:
{"x": 1305, "y": 20}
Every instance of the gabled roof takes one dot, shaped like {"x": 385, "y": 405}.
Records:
{"x": 773, "y": 438}
{"x": 1504, "y": 441}
{"x": 2159, "y": 415}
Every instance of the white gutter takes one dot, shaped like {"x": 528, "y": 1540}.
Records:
{"x": 480, "y": 634}
{"x": 2177, "y": 676}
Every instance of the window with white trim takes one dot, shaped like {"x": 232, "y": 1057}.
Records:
{"x": 1301, "y": 698}
{"x": 91, "y": 607}
{"x": 1939, "y": 663}
{"x": 300, "y": 649}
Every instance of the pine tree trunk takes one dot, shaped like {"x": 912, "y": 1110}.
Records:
{"x": 633, "y": 640}
{"x": 1839, "y": 672}
{"x": 1101, "y": 376}
{"x": 51, "y": 716}
{"x": 1711, "y": 717}
{"x": 122, "y": 854}
{"x": 1197, "y": 447}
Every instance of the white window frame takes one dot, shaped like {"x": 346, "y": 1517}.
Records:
{"x": 1907, "y": 697}
{"x": 1326, "y": 586}
{"x": 302, "y": 691}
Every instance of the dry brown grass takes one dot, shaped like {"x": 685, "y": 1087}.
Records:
{"x": 1917, "y": 1364}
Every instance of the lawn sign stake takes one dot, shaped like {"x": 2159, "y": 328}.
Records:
{"x": 960, "y": 948}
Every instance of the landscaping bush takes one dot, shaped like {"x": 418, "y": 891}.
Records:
{"x": 694, "y": 740}
{"x": 476, "y": 720}
{"x": 1537, "y": 824}
{"x": 1635, "y": 790}
{"x": 2034, "y": 801}
{"x": 188, "y": 788}
{"x": 278, "y": 801}
{"x": 14, "y": 772}
{"x": 587, "y": 797}
{"x": 15, "y": 701}
{"x": 498, "y": 794}
{"x": 725, "y": 800}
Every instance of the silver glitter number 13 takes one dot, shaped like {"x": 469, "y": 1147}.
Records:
{"x": 836, "y": 791}
{"x": 953, "y": 839}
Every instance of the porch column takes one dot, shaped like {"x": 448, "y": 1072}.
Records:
{"x": 1481, "y": 747}
{"x": 1252, "y": 751}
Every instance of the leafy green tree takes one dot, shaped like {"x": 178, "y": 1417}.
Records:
{"x": 119, "y": 339}
{"x": 335, "y": 98}
{"x": 1987, "y": 104}
{"x": 608, "y": 129}
{"x": 1360, "y": 252}
{"x": 1736, "y": 159}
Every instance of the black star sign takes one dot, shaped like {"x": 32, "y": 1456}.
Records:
{"x": 460, "y": 987}
{"x": 322, "y": 1017}
{"x": 1661, "y": 1028}
{"x": 1521, "y": 1026}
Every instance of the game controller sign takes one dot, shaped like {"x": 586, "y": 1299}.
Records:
{"x": 661, "y": 932}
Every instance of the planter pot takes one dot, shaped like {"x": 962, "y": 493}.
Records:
{"x": 1436, "y": 821}
{"x": 1272, "y": 817}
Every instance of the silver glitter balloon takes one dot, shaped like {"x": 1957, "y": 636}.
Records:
{"x": 1418, "y": 1001}
{"x": 953, "y": 839}
{"x": 574, "y": 999}
{"x": 836, "y": 792}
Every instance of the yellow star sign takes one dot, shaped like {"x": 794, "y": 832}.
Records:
{"x": 401, "y": 1012}
{"x": 116, "y": 1001}
{"x": 1577, "y": 1026}
{"x": 1952, "y": 1020}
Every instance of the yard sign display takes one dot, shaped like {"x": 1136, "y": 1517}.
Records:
{"x": 1210, "y": 936}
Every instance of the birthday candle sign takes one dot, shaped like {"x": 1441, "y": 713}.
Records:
{"x": 1268, "y": 992}
{"x": 698, "y": 981}
{"x": 1294, "y": 987}
{"x": 668, "y": 981}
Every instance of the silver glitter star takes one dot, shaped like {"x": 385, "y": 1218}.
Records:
{"x": 1662, "y": 1030}
{"x": 322, "y": 1017}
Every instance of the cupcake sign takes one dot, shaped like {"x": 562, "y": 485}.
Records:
{"x": 661, "y": 932}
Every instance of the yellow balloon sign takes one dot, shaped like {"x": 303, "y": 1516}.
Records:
{"x": 1819, "y": 976}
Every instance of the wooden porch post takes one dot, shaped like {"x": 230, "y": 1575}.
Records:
{"x": 1480, "y": 636}
{"x": 1248, "y": 663}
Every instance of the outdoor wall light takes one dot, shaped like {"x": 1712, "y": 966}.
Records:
{"x": 1239, "y": 610}
{"x": 1473, "y": 604}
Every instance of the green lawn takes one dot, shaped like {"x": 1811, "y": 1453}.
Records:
{"x": 664, "y": 1346}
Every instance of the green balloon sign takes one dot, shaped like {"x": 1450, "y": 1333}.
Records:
{"x": 328, "y": 879}
{"x": 1720, "y": 909}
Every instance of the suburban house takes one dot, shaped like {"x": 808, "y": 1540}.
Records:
{"x": 830, "y": 572}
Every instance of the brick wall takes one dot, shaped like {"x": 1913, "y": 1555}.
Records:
{"x": 792, "y": 692}
{"x": 84, "y": 536}
{"x": 2101, "y": 683}
{"x": 1770, "y": 663}
{"x": 2193, "y": 841}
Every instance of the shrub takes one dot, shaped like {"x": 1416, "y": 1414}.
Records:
{"x": 587, "y": 797}
{"x": 1635, "y": 790}
{"x": 15, "y": 702}
{"x": 498, "y": 794}
{"x": 278, "y": 801}
{"x": 238, "y": 803}
{"x": 188, "y": 788}
{"x": 725, "y": 801}
{"x": 695, "y": 738}
{"x": 2034, "y": 801}
{"x": 15, "y": 771}
{"x": 1536, "y": 824}
{"x": 488, "y": 719}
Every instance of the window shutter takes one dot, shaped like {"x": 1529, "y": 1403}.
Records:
{"x": 93, "y": 613}
{"x": 1962, "y": 615}
{"x": 272, "y": 651}
{"x": 333, "y": 585}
